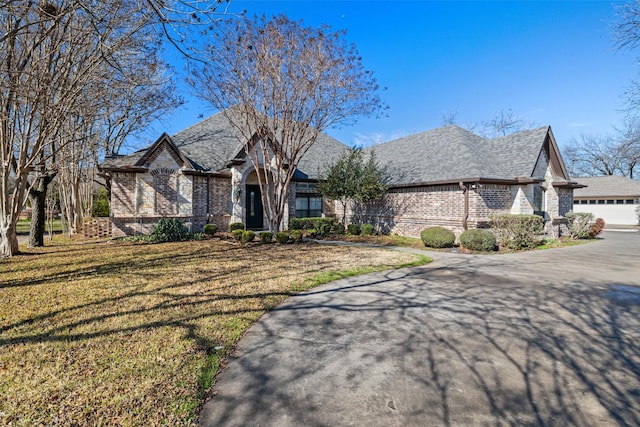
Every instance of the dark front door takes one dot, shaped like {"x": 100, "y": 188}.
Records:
{"x": 254, "y": 207}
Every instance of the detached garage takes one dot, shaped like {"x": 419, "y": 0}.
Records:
{"x": 612, "y": 198}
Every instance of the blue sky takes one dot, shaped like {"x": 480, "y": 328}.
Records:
{"x": 551, "y": 62}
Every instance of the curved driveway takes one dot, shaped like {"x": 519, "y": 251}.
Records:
{"x": 539, "y": 338}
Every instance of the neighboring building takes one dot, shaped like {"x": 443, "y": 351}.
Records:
{"x": 447, "y": 176}
{"x": 612, "y": 198}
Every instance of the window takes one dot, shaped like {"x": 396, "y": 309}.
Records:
{"x": 592, "y": 202}
{"x": 601, "y": 202}
{"x": 538, "y": 199}
{"x": 308, "y": 206}
{"x": 619, "y": 202}
{"x": 609, "y": 202}
{"x": 630, "y": 201}
{"x": 306, "y": 186}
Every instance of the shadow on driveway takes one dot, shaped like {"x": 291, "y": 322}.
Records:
{"x": 539, "y": 338}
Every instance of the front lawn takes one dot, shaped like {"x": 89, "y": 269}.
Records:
{"x": 24, "y": 226}
{"x": 130, "y": 334}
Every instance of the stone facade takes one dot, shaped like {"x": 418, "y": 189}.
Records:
{"x": 140, "y": 200}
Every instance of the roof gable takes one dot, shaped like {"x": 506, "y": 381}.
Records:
{"x": 163, "y": 143}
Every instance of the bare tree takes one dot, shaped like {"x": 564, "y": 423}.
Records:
{"x": 280, "y": 84}
{"x": 51, "y": 53}
{"x": 449, "y": 117}
{"x": 627, "y": 28}
{"x": 592, "y": 155}
{"x": 628, "y": 147}
{"x": 503, "y": 123}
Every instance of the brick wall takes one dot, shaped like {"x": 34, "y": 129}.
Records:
{"x": 96, "y": 227}
{"x": 220, "y": 201}
{"x": 408, "y": 211}
{"x": 123, "y": 193}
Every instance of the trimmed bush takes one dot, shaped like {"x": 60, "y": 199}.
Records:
{"x": 517, "y": 232}
{"x": 296, "y": 235}
{"x": 353, "y": 229}
{"x": 282, "y": 237}
{"x": 169, "y": 230}
{"x": 236, "y": 226}
{"x": 437, "y": 237}
{"x": 312, "y": 234}
{"x": 247, "y": 236}
{"x": 337, "y": 228}
{"x": 210, "y": 229}
{"x": 579, "y": 224}
{"x": 237, "y": 234}
{"x": 266, "y": 237}
{"x": 478, "y": 240}
{"x": 366, "y": 229}
{"x": 596, "y": 228}
{"x": 323, "y": 226}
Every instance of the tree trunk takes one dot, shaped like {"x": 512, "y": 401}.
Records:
{"x": 8, "y": 240}
{"x": 38, "y": 198}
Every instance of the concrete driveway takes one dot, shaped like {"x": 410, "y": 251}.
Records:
{"x": 540, "y": 338}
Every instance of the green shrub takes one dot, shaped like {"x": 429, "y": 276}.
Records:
{"x": 596, "y": 228}
{"x": 337, "y": 228}
{"x": 299, "y": 223}
{"x": 478, "y": 240}
{"x": 247, "y": 236}
{"x": 323, "y": 226}
{"x": 296, "y": 235}
{"x": 196, "y": 236}
{"x": 210, "y": 229}
{"x": 266, "y": 237}
{"x": 100, "y": 208}
{"x": 236, "y": 226}
{"x": 437, "y": 237}
{"x": 100, "y": 203}
{"x": 169, "y": 230}
{"x": 366, "y": 229}
{"x": 282, "y": 237}
{"x": 517, "y": 232}
{"x": 237, "y": 234}
{"x": 353, "y": 229}
{"x": 579, "y": 224}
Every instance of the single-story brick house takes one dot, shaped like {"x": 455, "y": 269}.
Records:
{"x": 612, "y": 198}
{"x": 447, "y": 176}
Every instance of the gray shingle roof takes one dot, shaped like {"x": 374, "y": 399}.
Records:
{"x": 453, "y": 153}
{"x": 607, "y": 186}
{"x": 212, "y": 142}
{"x": 444, "y": 154}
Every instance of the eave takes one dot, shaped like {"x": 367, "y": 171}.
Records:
{"x": 123, "y": 169}
{"x": 568, "y": 184}
{"x": 207, "y": 173}
{"x": 479, "y": 180}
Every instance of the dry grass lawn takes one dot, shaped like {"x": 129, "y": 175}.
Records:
{"x": 130, "y": 334}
